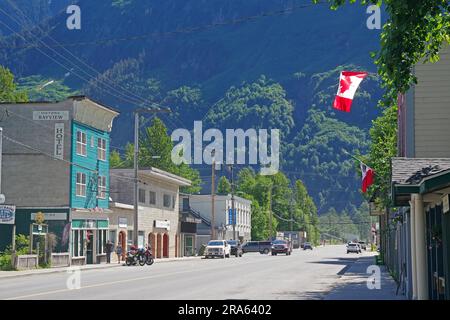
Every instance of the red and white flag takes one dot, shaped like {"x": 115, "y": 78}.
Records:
{"x": 348, "y": 84}
{"x": 367, "y": 176}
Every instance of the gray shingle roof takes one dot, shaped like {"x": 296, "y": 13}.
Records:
{"x": 405, "y": 168}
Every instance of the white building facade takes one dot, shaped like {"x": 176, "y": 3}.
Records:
{"x": 222, "y": 222}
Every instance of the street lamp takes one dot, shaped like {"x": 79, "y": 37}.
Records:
{"x": 137, "y": 112}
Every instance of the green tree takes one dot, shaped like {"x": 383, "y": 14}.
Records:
{"x": 224, "y": 186}
{"x": 42, "y": 89}
{"x": 383, "y": 147}
{"x": 155, "y": 149}
{"x": 115, "y": 161}
{"x": 258, "y": 105}
{"x": 8, "y": 88}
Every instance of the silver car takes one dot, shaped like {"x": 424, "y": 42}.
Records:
{"x": 353, "y": 247}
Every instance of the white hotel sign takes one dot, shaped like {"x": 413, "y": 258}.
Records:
{"x": 51, "y": 115}
{"x": 59, "y": 141}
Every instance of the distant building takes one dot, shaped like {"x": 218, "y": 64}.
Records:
{"x": 222, "y": 206}
{"x": 56, "y": 161}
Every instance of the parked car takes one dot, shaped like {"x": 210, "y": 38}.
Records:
{"x": 235, "y": 248}
{"x": 363, "y": 245}
{"x": 281, "y": 246}
{"x": 263, "y": 247}
{"x": 353, "y": 247}
{"x": 307, "y": 246}
{"x": 217, "y": 248}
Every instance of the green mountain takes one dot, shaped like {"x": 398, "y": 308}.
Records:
{"x": 233, "y": 64}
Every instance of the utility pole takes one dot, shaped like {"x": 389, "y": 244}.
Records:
{"x": 213, "y": 218}
{"x": 136, "y": 165}
{"x": 234, "y": 215}
{"x": 270, "y": 213}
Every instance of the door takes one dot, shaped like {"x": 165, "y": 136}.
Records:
{"x": 165, "y": 245}
{"x": 89, "y": 247}
{"x": 188, "y": 245}
{"x": 123, "y": 243}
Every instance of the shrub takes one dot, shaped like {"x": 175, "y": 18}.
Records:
{"x": 201, "y": 251}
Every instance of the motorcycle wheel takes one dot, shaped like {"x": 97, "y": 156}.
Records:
{"x": 128, "y": 262}
{"x": 150, "y": 261}
{"x": 142, "y": 262}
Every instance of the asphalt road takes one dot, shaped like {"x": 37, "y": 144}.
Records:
{"x": 303, "y": 275}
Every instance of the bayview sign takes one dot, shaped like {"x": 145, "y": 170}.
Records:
{"x": 7, "y": 214}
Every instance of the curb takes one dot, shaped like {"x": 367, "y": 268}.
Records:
{"x": 13, "y": 274}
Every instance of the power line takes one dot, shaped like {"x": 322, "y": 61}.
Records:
{"x": 130, "y": 96}
{"x": 187, "y": 30}
{"x": 59, "y": 159}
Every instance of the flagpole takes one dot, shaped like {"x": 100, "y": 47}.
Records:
{"x": 344, "y": 151}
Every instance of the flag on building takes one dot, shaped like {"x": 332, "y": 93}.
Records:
{"x": 367, "y": 176}
{"x": 348, "y": 84}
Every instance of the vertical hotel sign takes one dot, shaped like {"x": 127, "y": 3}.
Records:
{"x": 59, "y": 141}
{"x": 7, "y": 214}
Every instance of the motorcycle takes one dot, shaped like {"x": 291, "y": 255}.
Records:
{"x": 135, "y": 257}
{"x": 148, "y": 256}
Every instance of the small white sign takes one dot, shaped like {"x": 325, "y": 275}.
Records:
{"x": 51, "y": 115}
{"x": 445, "y": 204}
{"x": 123, "y": 222}
{"x": 51, "y": 216}
{"x": 7, "y": 214}
{"x": 59, "y": 140}
{"x": 2, "y": 198}
{"x": 163, "y": 224}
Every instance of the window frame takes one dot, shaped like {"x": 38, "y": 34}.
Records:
{"x": 150, "y": 197}
{"x": 79, "y": 185}
{"x": 101, "y": 149}
{"x": 164, "y": 200}
{"x": 80, "y": 145}
{"x": 101, "y": 188}
{"x": 141, "y": 192}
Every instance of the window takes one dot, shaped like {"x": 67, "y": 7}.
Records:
{"x": 173, "y": 202}
{"x": 101, "y": 241}
{"x": 152, "y": 198}
{"x": 81, "y": 184}
{"x": 141, "y": 196}
{"x": 81, "y": 143}
{"x": 101, "y": 192}
{"x": 78, "y": 242}
{"x": 166, "y": 201}
{"x": 101, "y": 149}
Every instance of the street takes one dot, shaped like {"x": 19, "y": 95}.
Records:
{"x": 303, "y": 275}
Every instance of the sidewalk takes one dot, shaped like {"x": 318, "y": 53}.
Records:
{"x": 353, "y": 284}
{"x": 24, "y": 273}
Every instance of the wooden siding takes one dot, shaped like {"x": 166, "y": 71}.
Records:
{"x": 432, "y": 108}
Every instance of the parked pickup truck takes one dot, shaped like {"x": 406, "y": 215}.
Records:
{"x": 263, "y": 247}
{"x": 217, "y": 248}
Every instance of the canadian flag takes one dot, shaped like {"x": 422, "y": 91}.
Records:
{"x": 348, "y": 84}
{"x": 367, "y": 177}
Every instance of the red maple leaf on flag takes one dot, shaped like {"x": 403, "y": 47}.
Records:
{"x": 344, "y": 84}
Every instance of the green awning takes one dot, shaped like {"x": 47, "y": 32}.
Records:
{"x": 90, "y": 224}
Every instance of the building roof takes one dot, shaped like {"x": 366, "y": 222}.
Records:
{"x": 416, "y": 175}
{"x": 74, "y": 98}
{"x": 219, "y": 197}
{"x": 413, "y": 170}
{"x": 158, "y": 174}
